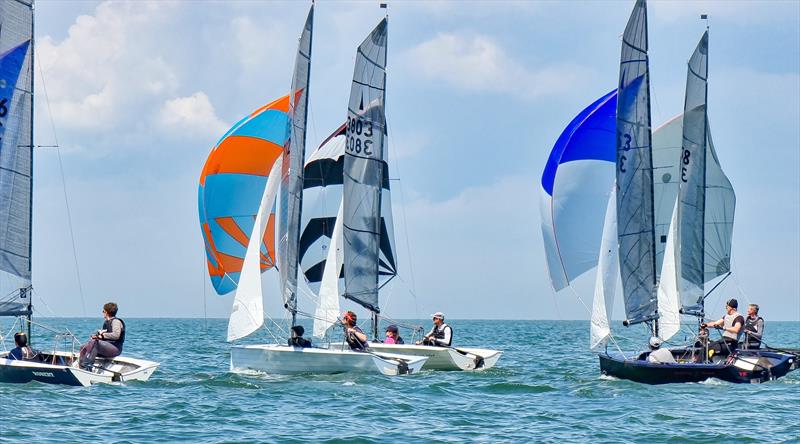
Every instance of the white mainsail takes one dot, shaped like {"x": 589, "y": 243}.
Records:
{"x": 247, "y": 312}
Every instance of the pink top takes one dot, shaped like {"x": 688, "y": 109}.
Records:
{"x": 389, "y": 340}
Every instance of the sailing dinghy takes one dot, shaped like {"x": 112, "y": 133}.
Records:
{"x": 667, "y": 228}
{"x": 273, "y": 140}
{"x": 347, "y": 245}
{"x": 16, "y": 199}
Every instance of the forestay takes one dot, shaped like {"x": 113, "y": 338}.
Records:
{"x": 707, "y": 199}
{"x": 291, "y": 194}
{"x": 365, "y": 170}
{"x": 635, "y": 215}
{"x": 16, "y": 144}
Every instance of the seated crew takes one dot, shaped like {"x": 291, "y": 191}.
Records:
{"x": 297, "y": 339}
{"x": 22, "y": 352}
{"x": 107, "y": 342}
{"x": 701, "y": 344}
{"x": 731, "y": 325}
{"x": 657, "y": 354}
{"x": 753, "y": 328}
{"x": 393, "y": 335}
{"x": 354, "y": 336}
{"x": 441, "y": 334}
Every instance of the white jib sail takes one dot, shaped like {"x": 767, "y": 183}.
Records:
{"x": 247, "y": 313}
{"x": 328, "y": 309}
{"x": 669, "y": 317}
{"x": 607, "y": 274}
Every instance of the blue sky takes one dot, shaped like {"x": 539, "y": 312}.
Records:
{"x": 477, "y": 94}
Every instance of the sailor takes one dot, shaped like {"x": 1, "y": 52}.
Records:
{"x": 441, "y": 334}
{"x": 297, "y": 339}
{"x": 753, "y": 328}
{"x": 393, "y": 335}
{"x": 657, "y": 354}
{"x": 107, "y": 342}
{"x": 353, "y": 335}
{"x": 22, "y": 352}
{"x": 731, "y": 325}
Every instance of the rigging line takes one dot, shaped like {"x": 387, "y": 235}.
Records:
{"x": 41, "y": 299}
{"x": 205, "y": 286}
{"x": 64, "y": 186}
{"x": 610, "y": 336}
{"x": 396, "y": 164}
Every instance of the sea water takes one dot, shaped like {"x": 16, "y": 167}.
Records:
{"x": 546, "y": 387}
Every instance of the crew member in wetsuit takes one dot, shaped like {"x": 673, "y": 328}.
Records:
{"x": 22, "y": 352}
{"x": 732, "y": 327}
{"x": 441, "y": 334}
{"x": 108, "y": 341}
{"x": 297, "y": 339}
{"x": 753, "y": 328}
{"x": 354, "y": 336}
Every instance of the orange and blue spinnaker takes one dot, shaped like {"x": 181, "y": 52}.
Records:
{"x": 231, "y": 186}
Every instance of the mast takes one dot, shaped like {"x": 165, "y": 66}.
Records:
{"x": 635, "y": 208}
{"x": 365, "y": 170}
{"x": 292, "y": 171}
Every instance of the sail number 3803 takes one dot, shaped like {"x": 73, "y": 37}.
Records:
{"x": 359, "y": 136}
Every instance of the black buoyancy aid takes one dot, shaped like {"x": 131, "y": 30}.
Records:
{"x": 107, "y": 326}
{"x": 750, "y": 326}
{"x": 438, "y": 333}
{"x": 354, "y": 342}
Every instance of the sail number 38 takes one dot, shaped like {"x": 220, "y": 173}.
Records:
{"x": 359, "y": 134}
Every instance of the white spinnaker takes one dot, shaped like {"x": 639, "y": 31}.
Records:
{"x": 669, "y": 317}
{"x": 606, "y": 281}
{"x": 328, "y": 309}
{"x": 247, "y": 312}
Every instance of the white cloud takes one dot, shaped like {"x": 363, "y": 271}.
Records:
{"x": 478, "y": 63}
{"x": 107, "y": 68}
{"x": 192, "y": 116}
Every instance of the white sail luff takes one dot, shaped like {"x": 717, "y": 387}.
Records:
{"x": 606, "y": 281}
{"x": 669, "y": 317}
{"x": 247, "y": 312}
{"x": 328, "y": 309}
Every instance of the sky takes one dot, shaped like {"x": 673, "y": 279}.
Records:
{"x": 137, "y": 93}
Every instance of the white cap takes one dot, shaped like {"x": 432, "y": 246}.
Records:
{"x": 655, "y": 342}
{"x": 439, "y": 315}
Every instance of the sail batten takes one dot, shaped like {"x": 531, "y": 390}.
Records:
{"x": 365, "y": 170}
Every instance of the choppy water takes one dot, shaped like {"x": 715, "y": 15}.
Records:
{"x": 546, "y": 388}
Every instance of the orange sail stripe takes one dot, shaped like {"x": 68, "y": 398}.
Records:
{"x": 230, "y": 227}
{"x": 212, "y": 270}
{"x": 231, "y": 264}
{"x": 269, "y": 243}
{"x": 242, "y": 155}
{"x": 281, "y": 104}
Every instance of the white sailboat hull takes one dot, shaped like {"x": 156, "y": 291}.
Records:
{"x": 445, "y": 358}
{"x": 286, "y": 360}
{"x": 62, "y": 368}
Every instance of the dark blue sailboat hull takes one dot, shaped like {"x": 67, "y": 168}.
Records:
{"x": 752, "y": 366}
